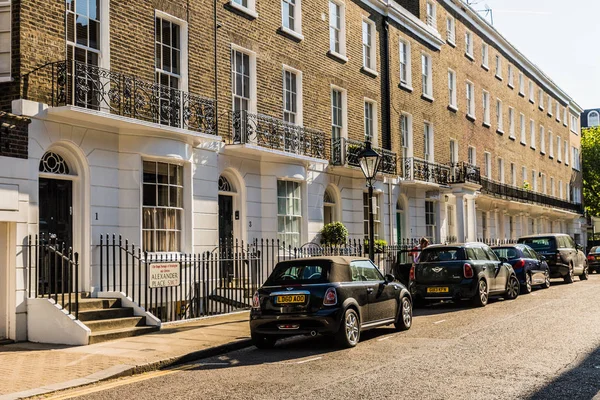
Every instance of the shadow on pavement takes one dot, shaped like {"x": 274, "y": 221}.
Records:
{"x": 581, "y": 382}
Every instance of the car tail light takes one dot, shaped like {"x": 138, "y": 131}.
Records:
{"x": 468, "y": 270}
{"x": 558, "y": 257}
{"x": 256, "y": 300}
{"x": 590, "y": 257}
{"x": 519, "y": 264}
{"x": 411, "y": 274}
{"x": 330, "y": 298}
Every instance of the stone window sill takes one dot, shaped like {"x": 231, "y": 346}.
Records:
{"x": 249, "y": 12}
{"x": 295, "y": 35}
{"x": 338, "y": 56}
{"x": 369, "y": 71}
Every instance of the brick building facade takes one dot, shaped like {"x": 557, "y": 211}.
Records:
{"x": 258, "y": 121}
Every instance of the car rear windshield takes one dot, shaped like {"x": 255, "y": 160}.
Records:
{"x": 299, "y": 273}
{"x": 442, "y": 254}
{"x": 595, "y": 249}
{"x": 509, "y": 253}
{"x": 540, "y": 244}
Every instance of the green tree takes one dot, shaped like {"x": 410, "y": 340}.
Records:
{"x": 590, "y": 154}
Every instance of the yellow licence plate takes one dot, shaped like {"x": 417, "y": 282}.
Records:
{"x": 291, "y": 299}
{"x": 437, "y": 290}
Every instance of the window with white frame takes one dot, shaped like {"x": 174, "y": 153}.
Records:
{"x": 500, "y": 170}
{"x": 470, "y": 100}
{"x": 567, "y": 191}
{"x": 5, "y": 40}
{"x": 498, "y": 66}
{"x": 368, "y": 44}
{"x": 511, "y": 122}
{"x": 487, "y": 165}
{"x": 406, "y": 135}
{"x": 511, "y": 227}
{"x": 472, "y": 155}
{"x": 162, "y": 206}
{"x": 531, "y": 92}
{"x": 427, "y": 75}
{"x": 593, "y": 118}
{"x": 549, "y": 105}
{"x": 451, "y": 30}
{"x": 566, "y": 149}
{"x": 430, "y": 221}
{"x": 550, "y": 145}
{"x": 558, "y": 111}
{"x": 511, "y": 76}
{"x": 337, "y": 28}
{"x": 532, "y": 133}
{"x": 521, "y": 84}
{"x": 453, "y": 153}
{"x": 544, "y": 187}
{"x": 452, "y": 102}
{"x": 289, "y": 212}
{"x": 558, "y": 151}
{"x": 405, "y": 64}
{"x": 576, "y": 160}
{"x": 542, "y": 140}
{"x": 484, "y": 55}
{"x": 524, "y": 175}
{"x": 370, "y": 124}
{"x": 428, "y": 142}
{"x": 292, "y": 96}
{"x": 513, "y": 174}
{"x": 534, "y": 181}
{"x": 376, "y": 215}
{"x": 469, "y": 44}
{"x": 83, "y": 36}
{"x": 291, "y": 15}
{"x": 561, "y": 194}
{"x": 431, "y": 14}
{"x": 522, "y": 126}
{"x": 246, "y": 6}
{"x": 486, "y": 108}
{"x": 484, "y": 225}
{"x": 338, "y": 113}
{"x": 168, "y": 53}
{"x": 499, "y": 115}
{"x": 552, "y": 188}
{"x": 541, "y": 98}
{"x": 565, "y": 120}
{"x": 574, "y": 123}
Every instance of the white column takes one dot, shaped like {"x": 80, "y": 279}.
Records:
{"x": 497, "y": 229}
{"x": 460, "y": 217}
{"x": 471, "y": 220}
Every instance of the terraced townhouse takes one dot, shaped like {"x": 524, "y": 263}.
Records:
{"x": 182, "y": 124}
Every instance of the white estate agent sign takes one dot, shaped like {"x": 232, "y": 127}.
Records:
{"x": 164, "y": 275}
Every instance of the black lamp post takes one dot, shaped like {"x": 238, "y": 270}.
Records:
{"x": 369, "y": 164}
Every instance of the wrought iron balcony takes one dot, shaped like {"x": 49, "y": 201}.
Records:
{"x": 272, "y": 133}
{"x": 493, "y": 188}
{"x": 415, "y": 169}
{"x": 346, "y": 152}
{"x": 84, "y": 85}
{"x": 463, "y": 172}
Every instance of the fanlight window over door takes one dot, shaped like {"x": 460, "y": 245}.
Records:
{"x": 53, "y": 163}
{"x": 225, "y": 185}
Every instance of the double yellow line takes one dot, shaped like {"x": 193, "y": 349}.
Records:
{"x": 99, "y": 387}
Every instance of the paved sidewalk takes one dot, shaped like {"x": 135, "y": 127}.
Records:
{"x": 29, "y": 369}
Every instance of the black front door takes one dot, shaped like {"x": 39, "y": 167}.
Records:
{"x": 56, "y": 209}
{"x": 226, "y": 244}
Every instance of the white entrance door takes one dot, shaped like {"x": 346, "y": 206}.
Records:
{"x": 4, "y": 262}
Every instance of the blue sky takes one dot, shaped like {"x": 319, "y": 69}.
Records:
{"x": 559, "y": 39}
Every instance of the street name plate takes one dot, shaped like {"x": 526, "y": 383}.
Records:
{"x": 164, "y": 275}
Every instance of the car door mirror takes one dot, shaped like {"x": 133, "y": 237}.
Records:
{"x": 542, "y": 258}
{"x": 579, "y": 247}
{"x": 389, "y": 278}
{"x": 504, "y": 259}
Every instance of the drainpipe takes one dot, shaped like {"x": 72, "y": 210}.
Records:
{"x": 392, "y": 216}
{"x": 385, "y": 85}
{"x": 216, "y": 28}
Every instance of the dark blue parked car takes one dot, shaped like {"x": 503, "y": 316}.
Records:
{"x": 530, "y": 267}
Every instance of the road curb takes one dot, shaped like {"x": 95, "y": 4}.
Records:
{"x": 123, "y": 370}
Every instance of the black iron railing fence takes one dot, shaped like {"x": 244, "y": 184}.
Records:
{"x": 219, "y": 281}
{"x": 463, "y": 172}
{"x": 512, "y": 192}
{"x": 272, "y": 133}
{"x": 346, "y": 152}
{"x": 89, "y": 86}
{"x": 53, "y": 272}
{"x": 415, "y": 169}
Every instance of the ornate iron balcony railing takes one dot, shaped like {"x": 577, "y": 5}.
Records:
{"x": 463, "y": 172}
{"x": 416, "y": 169}
{"x": 89, "y": 86}
{"x": 272, "y": 133}
{"x": 494, "y": 188}
{"x": 346, "y": 152}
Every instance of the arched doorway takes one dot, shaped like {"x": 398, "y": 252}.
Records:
{"x": 329, "y": 207}
{"x": 227, "y": 192}
{"x": 399, "y": 221}
{"x": 56, "y": 199}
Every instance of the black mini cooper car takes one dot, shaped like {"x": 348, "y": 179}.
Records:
{"x": 462, "y": 271}
{"x": 338, "y": 296}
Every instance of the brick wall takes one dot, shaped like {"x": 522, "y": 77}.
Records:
{"x": 14, "y": 137}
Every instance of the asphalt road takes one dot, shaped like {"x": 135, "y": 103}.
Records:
{"x": 545, "y": 345}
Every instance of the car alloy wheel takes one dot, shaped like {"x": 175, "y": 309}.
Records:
{"x": 483, "y": 292}
{"x": 512, "y": 291}
{"x": 406, "y": 312}
{"x": 527, "y": 288}
{"x": 352, "y": 328}
{"x": 546, "y": 280}
{"x": 584, "y": 276}
{"x": 569, "y": 277}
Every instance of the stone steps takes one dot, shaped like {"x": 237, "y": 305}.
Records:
{"x": 115, "y": 323}
{"x": 104, "y": 314}
{"x": 104, "y": 336}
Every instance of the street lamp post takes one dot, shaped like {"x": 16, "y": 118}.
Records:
{"x": 369, "y": 164}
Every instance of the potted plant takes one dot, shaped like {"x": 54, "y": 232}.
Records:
{"x": 334, "y": 234}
